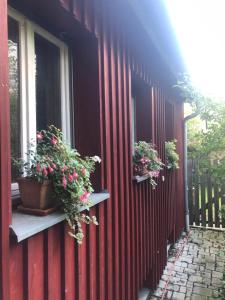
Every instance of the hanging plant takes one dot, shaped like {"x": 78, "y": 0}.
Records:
{"x": 172, "y": 157}
{"x": 146, "y": 161}
{"x": 55, "y": 161}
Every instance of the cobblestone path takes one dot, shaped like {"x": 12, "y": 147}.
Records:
{"x": 198, "y": 273}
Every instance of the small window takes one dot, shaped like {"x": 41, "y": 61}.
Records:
{"x": 142, "y": 110}
{"x": 38, "y": 83}
{"x": 169, "y": 121}
{"x": 134, "y": 112}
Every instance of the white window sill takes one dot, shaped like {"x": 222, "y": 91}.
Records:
{"x": 24, "y": 226}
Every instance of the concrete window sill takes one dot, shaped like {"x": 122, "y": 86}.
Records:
{"x": 139, "y": 179}
{"x": 24, "y": 226}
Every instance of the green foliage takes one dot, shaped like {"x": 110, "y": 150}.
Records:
{"x": 206, "y": 141}
{"x": 199, "y": 104}
{"x": 146, "y": 161}
{"x": 172, "y": 157}
{"x": 54, "y": 160}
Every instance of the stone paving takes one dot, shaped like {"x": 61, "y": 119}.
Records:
{"x": 198, "y": 273}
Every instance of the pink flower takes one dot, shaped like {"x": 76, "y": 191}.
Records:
{"x": 70, "y": 178}
{"x": 154, "y": 173}
{"x": 38, "y": 168}
{"x": 75, "y": 175}
{"x": 40, "y": 136}
{"x": 54, "y": 141}
{"x": 143, "y": 160}
{"x": 84, "y": 197}
{"x": 83, "y": 171}
{"x": 53, "y": 165}
{"x": 64, "y": 182}
{"x": 64, "y": 168}
{"x": 50, "y": 169}
{"x": 45, "y": 172}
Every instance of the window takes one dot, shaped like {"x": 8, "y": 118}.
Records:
{"x": 169, "y": 121}
{"x": 142, "y": 110}
{"x": 134, "y": 112}
{"x": 38, "y": 83}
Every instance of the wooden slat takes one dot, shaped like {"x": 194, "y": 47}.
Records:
{"x": 16, "y": 272}
{"x": 5, "y": 176}
{"x": 92, "y": 259}
{"x": 69, "y": 266}
{"x": 209, "y": 192}
{"x": 53, "y": 263}
{"x": 203, "y": 199}
{"x": 196, "y": 195}
{"x": 190, "y": 197}
{"x": 82, "y": 276}
{"x": 216, "y": 205}
{"x": 34, "y": 268}
{"x": 223, "y": 202}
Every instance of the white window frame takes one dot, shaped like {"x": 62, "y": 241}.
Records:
{"x": 27, "y": 30}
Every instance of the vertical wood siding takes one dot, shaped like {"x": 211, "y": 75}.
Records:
{"x": 4, "y": 155}
{"x": 128, "y": 249}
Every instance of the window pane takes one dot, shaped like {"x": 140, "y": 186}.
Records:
{"x": 134, "y": 135}
{"x": 14, "y": 90}
{"x": 48, "y": 102}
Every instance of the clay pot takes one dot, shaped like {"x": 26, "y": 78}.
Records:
{"x": 36, "y": 195}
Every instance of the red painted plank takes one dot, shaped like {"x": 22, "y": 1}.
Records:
{"x": 101, "y": 234}
{"x": 53, "y": 245}
{"x": 16, "y": 272}
{"x": 82, "y": 267}
{"x": 92, "y": 258}
{"x": 34, "y": 268}
{"x": 121, "y": 168}
{"x": 115, "y": 196}
{"x": 5, "y": 176}
{"x": 69, "y": 267}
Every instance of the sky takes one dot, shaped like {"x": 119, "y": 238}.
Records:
{"x": 200, "y": 30}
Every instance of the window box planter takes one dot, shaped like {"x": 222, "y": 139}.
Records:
{"x": 37, "y": 198}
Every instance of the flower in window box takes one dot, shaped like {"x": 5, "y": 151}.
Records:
{"x": 146, "y": 161}
{"x": 69, "y": 174}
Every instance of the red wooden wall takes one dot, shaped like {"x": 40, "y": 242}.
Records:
{"x": 128, "y": 249}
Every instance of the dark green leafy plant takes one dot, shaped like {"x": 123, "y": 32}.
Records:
{"x": 54, "y": 160}
{"x": 146, "y": 161}
{"x": 172, "y": 157}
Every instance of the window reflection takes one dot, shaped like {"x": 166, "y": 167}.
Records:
{"x": 48, "y": 100}
{"x": 14, "y": 91}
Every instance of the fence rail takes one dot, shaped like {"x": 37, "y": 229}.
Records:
{"x": 205, "y": 198}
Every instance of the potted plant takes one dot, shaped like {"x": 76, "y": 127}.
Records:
{"x": 172, "y": 157}
{"x": 57, "y": 172}
{"x": 146, "y": 161}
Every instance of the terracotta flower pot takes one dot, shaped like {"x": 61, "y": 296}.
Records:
{"x": 36, "y": 195}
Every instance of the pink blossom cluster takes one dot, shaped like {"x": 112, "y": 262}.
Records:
{"x": 45, "y": 170}
{"x": 154, "y": 173}
{"x": 40, "y": 137}
{"x": 144, "y": 160}
{"x": 70, "y": 178}
{"x": 84, "y": 197}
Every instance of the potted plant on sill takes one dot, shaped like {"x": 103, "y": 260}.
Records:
{"x": 172, "y": 157}
{"x": 146, "y": 161}
{"x": 56, "y": 173}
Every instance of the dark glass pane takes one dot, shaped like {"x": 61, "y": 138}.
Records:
{"x": 14, "y": 90}
{"x": 48, "y": 102}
